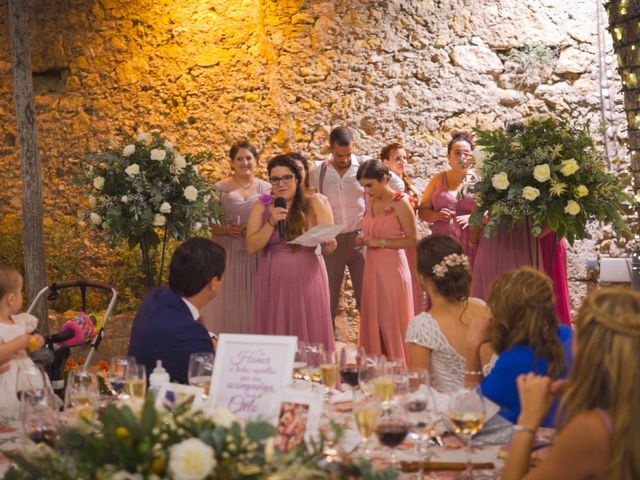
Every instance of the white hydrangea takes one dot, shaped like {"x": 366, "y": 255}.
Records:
{"x": 132, "y": 170}
{"x": 542, "y": 173}
{"x": 191, "y": 193}
{"x": 95, "y": 218}
{"x": 165, "y": 207}
{"x": 158, "y": 154}
{"x": 191, "y": 459}
{"x": 98, "y": 183}
{"x": 128, "y": 150}
{"x": 500, "y": 181}
{"x": 159, "y": 220}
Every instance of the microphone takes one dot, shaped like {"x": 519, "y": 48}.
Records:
{"x": 75, "y": 331}
{"x": 282, "y": 203}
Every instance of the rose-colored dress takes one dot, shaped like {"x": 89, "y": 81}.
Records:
{"x": 554, "y": 259}
{"x": 291, "y": 295}
{"x": 445, "y": 198}
{"x": 505, "y": 250}
{"x": 387, "y": 299}
{"x": 232, "y": 309}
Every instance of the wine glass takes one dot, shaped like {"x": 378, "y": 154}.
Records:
{"x": 329, "y": 371}
{"x": 82, "y": 393}
{"x": 117, "y": 371}
{"x": 367, "y": 373}
{"x": 135, "y": 382}
{"x": 419, "y": 405}
{"x": 200, "y": 371}
{"x": 39, "y": 415}
{"x": 384, "y": 381}
{"x": 366, "y": 411}
{"x": 392, "y": 428}
{"x": 452, "y": 208}
{"x": 466, "y": 413}
{"x": 29, "y": 376}
{"x": 314, "y": 353}
{"x": 351, "y": 361}
{"x": 300, "y": 361}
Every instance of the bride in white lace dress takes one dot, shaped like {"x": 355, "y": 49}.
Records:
{"x": 436, "y": 339}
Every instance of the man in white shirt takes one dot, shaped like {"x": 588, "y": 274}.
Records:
{"x": 336, "y": 178}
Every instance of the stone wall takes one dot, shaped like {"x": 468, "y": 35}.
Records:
{"x": 283, "y": 72}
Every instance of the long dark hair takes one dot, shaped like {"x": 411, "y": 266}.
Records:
{"x": 373, "y": 170}
{"x": 296, "y": 223}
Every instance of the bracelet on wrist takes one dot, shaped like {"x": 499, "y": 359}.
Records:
{"x": 474, "y": 373}
{"x": 381, "y": 242}
{"x": 524, "y": 429}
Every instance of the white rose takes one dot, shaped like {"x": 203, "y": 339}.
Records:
{"x": 223, "y": 417}
{"x": 158, "y": 154}
{"x": 178, "y": 164}
{"x": 144, "y": 137}
{"x": 92, "y": 201}
{"x": 191, "y": 193}
{"x": 569, "y": 167}
{"x": 572, "y": 208}
{"x": 542, "y": 173}
{"x": 581, "y": 191}
{"x": 500, "y": 181}
{"x": 197, "y": 227}
{"x": 165, "y": 207}
{"x": 168, "y": 145}
{"x": 95, "y": 218}
{"x": 132, "y": 170}
{"x": 530, "y": 193}
{"x": 128, "y": 150}
{"x": 159, "y": 220}
{"x": 124, "y": 199}
{"x": 98, "y": 183}
{"x": 191, "y": 459}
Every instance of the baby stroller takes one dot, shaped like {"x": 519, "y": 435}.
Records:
{"x": 73, "y": 333}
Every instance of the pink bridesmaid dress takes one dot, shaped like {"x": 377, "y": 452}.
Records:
{"x": 231, "y": 311}
{"x": 554, "y": 258}
{"x": 291, "y": 294}
{"x": 387, "y": 299}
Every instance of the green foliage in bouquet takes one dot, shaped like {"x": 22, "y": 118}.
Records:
{"x": 549, "y": 172}
{"x": 146, "y": 188}
{"x": 184, "y": 444}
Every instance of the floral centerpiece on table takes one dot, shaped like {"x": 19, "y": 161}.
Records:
{"x": 145, "y": 188}
{"x": 183, "y": 445}
{"x": 549, "y": 172}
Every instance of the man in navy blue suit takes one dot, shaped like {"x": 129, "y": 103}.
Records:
{"x": 166, "y": 326}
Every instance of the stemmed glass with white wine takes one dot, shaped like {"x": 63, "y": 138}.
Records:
{"x": 466, "y": 412}
{"x": 329, "y": 372}
{"x": 117, "y": 373}
{"x": 135, "y": 383}
{"x": 201, "y": 370}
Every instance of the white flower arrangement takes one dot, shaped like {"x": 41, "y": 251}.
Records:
{"x": 550, "y": 173}
{"x": 191, "y": 459}
{"x": 145, "y": 186}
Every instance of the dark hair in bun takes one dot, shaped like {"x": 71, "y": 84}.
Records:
{"x": 455, "y": 284}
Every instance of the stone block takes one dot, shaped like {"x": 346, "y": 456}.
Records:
{"x": 573, "y": 60}
{"x": 478, "y": 58}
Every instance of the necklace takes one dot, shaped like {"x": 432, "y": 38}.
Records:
{"x": 244, "y": 187}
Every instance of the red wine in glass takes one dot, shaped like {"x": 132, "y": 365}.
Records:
{"x": 349, "y": 375}
{"x": 393, "y": 433}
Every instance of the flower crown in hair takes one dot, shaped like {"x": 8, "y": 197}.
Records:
{"x": 451, "y": 260}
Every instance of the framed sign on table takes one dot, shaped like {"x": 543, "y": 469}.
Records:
{"x": 248, "y": 369}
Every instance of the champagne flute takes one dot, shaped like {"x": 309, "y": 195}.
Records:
{"x": 466, "y": 413}
{"x": 366, "y": 411}
{"x": 200, "y": 371}
{"x": 117, "y": 370}
{"x": 351, "y": 361}
{"x": 300, "y": 361}
{"x": 314, "y": 353}
{"x": 329, "y": 372}
{"x": 136, "y": 382}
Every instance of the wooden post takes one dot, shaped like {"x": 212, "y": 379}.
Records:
{"x": 32, "y": 210}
